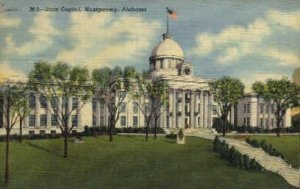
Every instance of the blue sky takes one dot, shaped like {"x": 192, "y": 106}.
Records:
{"x": 250, "y": 40}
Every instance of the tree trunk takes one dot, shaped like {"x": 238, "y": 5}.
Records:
{"x": 6, "y": 176}
{"x": 155, "y": 129}
{"x": 146, "y": 138}
{"x": 111, "y": 125}
{"x": 21, "y": 131}
{"x": 224, "y": 126}
{"x": 278, "y": 127}
{"x": 65, "y": 143}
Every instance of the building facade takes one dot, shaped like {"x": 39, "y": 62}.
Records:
{"x": 190, "y": 102}
{"x": 254, "y": 111}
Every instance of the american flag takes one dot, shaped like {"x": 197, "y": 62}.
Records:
{"x": 172, "y": 14}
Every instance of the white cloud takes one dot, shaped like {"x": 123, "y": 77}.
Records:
{"x": 232, "y": 38}
{"x": 8, "y": 73}
{"x": 285, "y": 19}
{"x": 236, "y": 42}
{"x": 249, "y": 78}
{"x": 100, "y": 39}
{"x": 8, "y": 22}
{"x": 284, "y": 58}
{"x": 42, "y": 32}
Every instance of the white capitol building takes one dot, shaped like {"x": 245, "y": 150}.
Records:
{"x": 190, "y": 102}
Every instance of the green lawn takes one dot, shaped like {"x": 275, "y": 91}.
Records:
{"x": 128, "y": 163}
{"x": 288, "y": 145}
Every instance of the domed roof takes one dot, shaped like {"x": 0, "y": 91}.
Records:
{"x": 168, "y": 47}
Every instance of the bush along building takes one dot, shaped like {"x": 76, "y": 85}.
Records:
{"x": 190, "y": 103}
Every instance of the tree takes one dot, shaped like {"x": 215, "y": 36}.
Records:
{"x": 227, "y": 92}
{"x": 13, "y": 98}
{"x": 284, "y": 94}
{"x": 22, "y": 109}
{"x": 111, "y": 89}
{"x": 61, "y": 81}
{"x": 152, "y": 96}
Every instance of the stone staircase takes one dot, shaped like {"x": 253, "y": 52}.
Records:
{"x": 270, "y": 163}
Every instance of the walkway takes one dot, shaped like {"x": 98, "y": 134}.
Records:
{"x": 270, "y": 163}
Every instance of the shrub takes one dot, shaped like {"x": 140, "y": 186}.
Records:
{"x": 171, "y": 136}
{"x": 268, "y": 148}
{"x": 234, "y": 156}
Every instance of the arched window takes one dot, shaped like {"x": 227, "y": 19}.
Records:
{"x": 187, "y": 71}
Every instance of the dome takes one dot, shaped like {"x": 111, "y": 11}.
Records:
{"x": 168, "y": 47}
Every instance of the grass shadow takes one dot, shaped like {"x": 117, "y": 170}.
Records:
{"x": 170, "y": 141}
{"x": 43, "y": 149}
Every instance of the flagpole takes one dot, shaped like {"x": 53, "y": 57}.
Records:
{"x": 167, "y": 24}
{"x": 167, "y": 21}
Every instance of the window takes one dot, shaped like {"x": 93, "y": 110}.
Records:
{"x": 123, "y": 107}
{"x": 147, "y": 108}
{"x": 31, "y": 101}
{"x": 31, "y": 120}
{"x": 135, "y": 107}
{"x": 267, "y": 108}
{"x": 261, "y": 122}
{"x": 102, "y": 121}
{"x": 65, "y": 102}
{"x": 187, "y": 71}
{"x": 262, "y": 108}
{"x": 272, "y": 108}
{"x": 54, "y": 120}
{"x": 267, "y": 122}
{"x": 94, "y": 105}
{"x": 272, "y": 122}
{"x": 74, "y": 103}
{"x": 123, "y": 120}
{"x": 198, "y": 121}
{"x": 42, "y": 132}
{"x": 245, "y": 107}
{"x": 43, "y": 120}
{"x": 1, "y": 119}
{"x": 245, "y": 121}
{"x": 199, "y": 107}
{"x": 43, "y": 101}
{"x": 186, "y": 108}
{"x": 54, "y": 102}
{"x": 94, "y": 120}
{"x": 135, "y": 121}
{"x": 161, "y": 63}
{"x": 53, "y": 132}
{"x": 74, "y": 120}
{"x": 31, "y": 133}
{"x": 102, "y": 107}
{"x": 248, "y": 121}
{"x": 215, "y": 112}
{"x": 248, "y": 108}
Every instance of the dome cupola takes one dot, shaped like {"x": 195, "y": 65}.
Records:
{"x": 167, "y": 48}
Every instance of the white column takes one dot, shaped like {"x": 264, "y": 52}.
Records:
{"x": 183, "y": 110}
{"x": 209, "y": 111}
{"x": 48, "y": 125}
{"x": 69, "y": 106}
{"x": 204, "y": 110}
{"x": 201, "y": 111}
{"x": 79, "y": 113}
{"x": 97, "y": 113}
{"x": 59, "y": 111}
{"x": 37, "y": 110}
{"x": 174, "y": 111}
{"x": 192, "y": 111}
